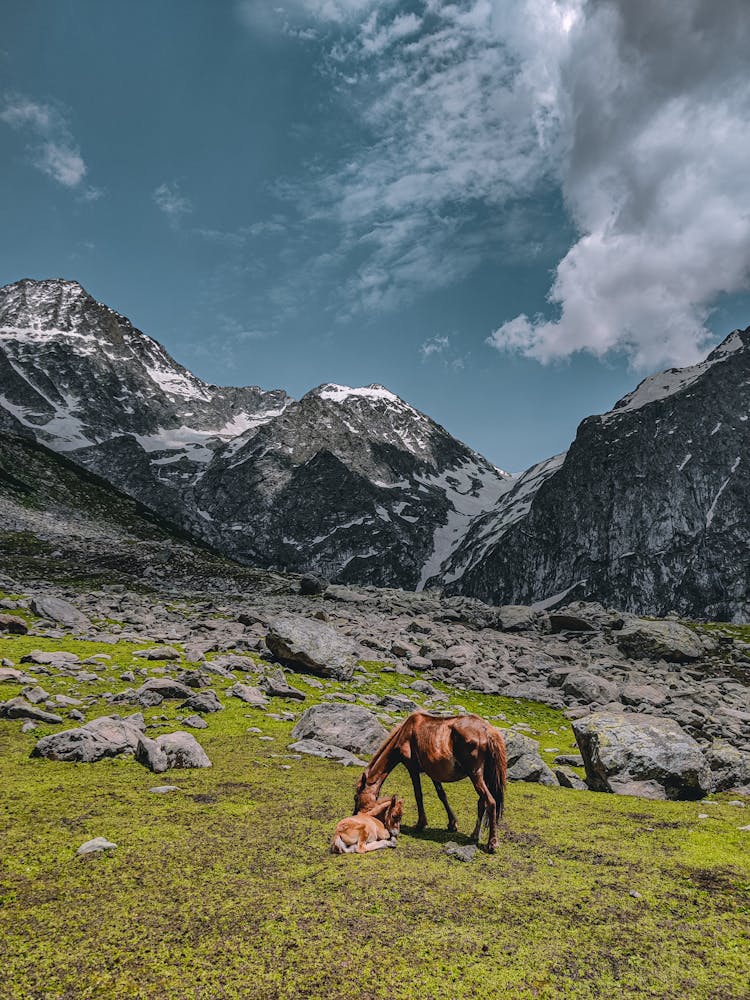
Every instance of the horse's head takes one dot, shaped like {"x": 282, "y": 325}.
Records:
{"x": 364, "y": 797}
{"x": 393, "y": 816}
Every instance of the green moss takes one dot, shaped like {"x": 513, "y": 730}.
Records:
{"x": 225, "y": 889}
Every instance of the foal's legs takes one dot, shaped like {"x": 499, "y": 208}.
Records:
{"x": 421, "y": 817}
{"x": 452, "y": 821}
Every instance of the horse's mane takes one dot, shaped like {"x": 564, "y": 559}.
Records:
{"x": 386, "y": 746}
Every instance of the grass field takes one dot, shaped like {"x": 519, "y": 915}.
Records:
{"x": 226, "y": 889}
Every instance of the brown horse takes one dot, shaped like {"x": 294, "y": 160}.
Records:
{"x": 445, "y": 749}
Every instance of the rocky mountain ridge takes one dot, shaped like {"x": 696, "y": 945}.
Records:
{"x": 352, "y": 483}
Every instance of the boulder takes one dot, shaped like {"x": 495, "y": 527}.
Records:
{"x": 182, "y": 750}
{"x": 8, "y": 675}
{"x": 203, "y": 701}
{"x": 195, "y": 722}
{"x": 588, "y": 688}
{"x": 308, "y": 645}
{"x": 150, "y": 755}
{"x": 398, "y": 703}
{"x": 350, "y": 727}
{"x": 13, "y": 625}
{"x": 56, "y": 659}
{"x": 59, "y": 611}
{"x": 37, "y": 694}
{"x": 524, "y": 761}
{"x": 19, "y": 708}
{"x": 517, "y": 617}
{"x": 165, "y": 687}
{"x": 104, "y": 737}
{"x": 309, "y": 586}
{"x": 661, "y": 640}
{"x": 159, "y": 653}
{"x": 630, "y": 754}
{"x": 316, "y": 748}
{"x": 569, "y": 779}
{"x": 730, "y": 768}
{"x": 95, "y": 846}
{"x": 250, "y": 695}
{"x": 644, "y": 694}
{"x": 275, "y": 684}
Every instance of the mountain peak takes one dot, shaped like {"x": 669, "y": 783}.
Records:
{"x": 341, "y": 393}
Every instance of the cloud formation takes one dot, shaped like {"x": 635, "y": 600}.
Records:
{"x": 172, "y": 202}
{"x": 53, "y": 149}
{"x": 652, "y": 100}
{"x": 465, "y": 112}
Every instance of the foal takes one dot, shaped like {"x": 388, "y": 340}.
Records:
{"x": 365, "y": 831}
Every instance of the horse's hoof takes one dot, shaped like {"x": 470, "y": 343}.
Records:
{"x": 492, "y": 846}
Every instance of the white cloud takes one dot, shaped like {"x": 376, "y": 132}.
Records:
{"x": 173, "y": 203}
{"x": 652, "y": 100}
{"x": 53, "y": 150}
{"x": 434, "y": 345}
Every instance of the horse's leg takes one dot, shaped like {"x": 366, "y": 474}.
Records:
{"x": 421, "y": 817}
{"x": 378, "y": 845}
{"x": 477, "y": 778}
{"x": 452, "y": 821}
{"x": 480, "y": 816}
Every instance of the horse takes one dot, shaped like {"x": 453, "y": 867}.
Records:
{"x": 445, "y": 749}
{"x": 365, "y": 832}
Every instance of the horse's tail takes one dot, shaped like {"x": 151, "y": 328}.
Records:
{"x": 337, "y": 845}
{"x": 496, "y": 768}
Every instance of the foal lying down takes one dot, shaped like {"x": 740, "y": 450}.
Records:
{"x": 369, "y": 831}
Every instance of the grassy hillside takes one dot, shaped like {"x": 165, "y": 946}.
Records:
{"x": 226, "y": 890}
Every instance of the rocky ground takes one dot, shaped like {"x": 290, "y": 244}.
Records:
{"x": 170, "y": 764}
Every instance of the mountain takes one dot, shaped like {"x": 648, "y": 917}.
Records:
{"x": 647, "y": 511}
{"x": 58, "y": 520}
{"x": 352, "y": 483}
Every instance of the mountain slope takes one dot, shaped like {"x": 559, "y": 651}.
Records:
{"x": 353, "y": 483}
{"x": 648, "y": 510}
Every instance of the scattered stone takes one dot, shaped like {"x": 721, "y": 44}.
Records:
{"x": 159, "y": 653}
{"x": 250, "y": 695}
{"x": 641, "y": 754}
{"x": 516, "y": 617}
{"x": 316, "y": 748}
{"x": 164, "y": 687}
{"x": 13, "y": 625}
{"x": 35, "y": 694}
{"x": 56, "y": 659}
{"x": 398, "y": 703}
{"x": 59, "y": 611}
{"x": 163, "y": 789}
{"x": 95, "y": 846}
{"x": 19, "y": 708}
{"x": 350, "y": 727}
{"x": 309, "y": 586}
{"x": 275, "y": 684}
{"x": 524, "y": 760}
{"x": 659, "y": 640}
{"x": 311, "y": 646}
{"x": 461, "y": 852}
{"x": 569, "y": 779}
{"x": 195, "y": 722}
{"x": 203, "y": 701}
{"x": 28, "y": 726}
{"x": 171, "y": 750}
{"x": 730, "y": 767}
{"x": 104, "y": 737}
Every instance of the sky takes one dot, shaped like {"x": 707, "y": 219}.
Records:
{"x": 507, "y": 211}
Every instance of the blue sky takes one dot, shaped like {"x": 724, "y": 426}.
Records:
{"x": 507, "y": 211}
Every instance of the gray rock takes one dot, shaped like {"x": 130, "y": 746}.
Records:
{"x": 588, "y": 688}
{"x": 309, "y": 645}
{"x": 165, "y": 687}
{"x": 350, "y": 727}
{"x": 35, "y": 694}
{"x": 163, "y": 789}
{"x": 150, "y": 755}
{"x": 659, "y": 640}
{"x": 203, "y": 701}
{"x": 250, "y": 695}
{"x": 275, "y": 684}
{"x": 730, "y": 767}
{"x": 398, "y": 703}
{"x": 19, "y": 708}
{"x": 55, "y": 659}
{"x": 183, "y": 750}
{"x": 619, "y": 748}
{"x": 10, "y": 676}
{"x": 569, "y": 759}
{"x": 524, "y": 760}
{"x": 13, "y": 625}
{"x": 517, "y": 617}
{"x": 95, "y": 846}
{"x": 644, "y": 694}
{"x": 59, "y": 611}
{"x": 312, "y": 585}
{"x": 316, "y": 748}
{"x": 159, "y": 653}
{"x": 569, "y": 779}
{"x": 103, "y": 737}
{"x": 195, "y": 722}
{"x": 461, "y": 852}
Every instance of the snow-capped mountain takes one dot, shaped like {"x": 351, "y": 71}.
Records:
{"x": 648, "y": 510}
{"x": 354, "y": 483}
